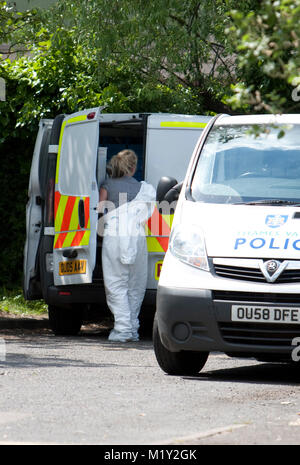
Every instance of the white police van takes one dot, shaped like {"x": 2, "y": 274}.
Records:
{"x": 230, "y": 280}
{"x": 62, "y": 256}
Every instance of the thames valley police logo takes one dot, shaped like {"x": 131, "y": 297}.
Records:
{"x": 275, "y": 221}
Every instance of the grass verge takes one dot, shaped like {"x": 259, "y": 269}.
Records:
{"x": 12, "y": 301}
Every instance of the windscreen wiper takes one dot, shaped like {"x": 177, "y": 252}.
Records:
{"x": 271, "y": 202}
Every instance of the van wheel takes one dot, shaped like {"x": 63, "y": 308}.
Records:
{"x": 65, "y": 321}
{"x": 177, "y": 363}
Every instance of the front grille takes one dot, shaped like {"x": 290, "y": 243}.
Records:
{"x": 238, "y": 272}
{"x": 257, "y": 297}
{"x": 254, "y": 275}
{"x": 263, "y": 334}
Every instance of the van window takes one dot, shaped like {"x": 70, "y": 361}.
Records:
{"x": 77, "y": 155}
{"x": 246, "y": 163}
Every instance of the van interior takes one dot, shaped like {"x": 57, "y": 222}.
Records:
{"x": 120, "y": 135}
{"x": 116, "y": 136}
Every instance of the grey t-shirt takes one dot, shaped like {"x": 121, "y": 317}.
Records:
{"x": 124, "y": 189}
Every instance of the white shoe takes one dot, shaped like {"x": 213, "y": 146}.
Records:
{"x": 115, "y": 336}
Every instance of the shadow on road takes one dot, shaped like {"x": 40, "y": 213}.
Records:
{"x": 262, "y": 373}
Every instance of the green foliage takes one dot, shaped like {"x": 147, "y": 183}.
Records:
{"x": 12, "y": 301}
{"x": 268, "y": 57}
{"x": 11, "y": 22}
{"x": 16, "y": 151}
{"x": 36, "y": 87}
{"x": 163, "y": 43}
{"x": 59, "y": 76}
{"x": 181, "y": 56}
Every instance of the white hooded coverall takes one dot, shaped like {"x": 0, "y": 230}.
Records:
{"x": 124, "y": 262}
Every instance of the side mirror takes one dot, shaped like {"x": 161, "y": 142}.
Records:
{"x": 164, "y": 185}
{"x": 173, "y": 194}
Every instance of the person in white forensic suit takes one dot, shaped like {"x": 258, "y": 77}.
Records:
{"x": 124, "y": 249}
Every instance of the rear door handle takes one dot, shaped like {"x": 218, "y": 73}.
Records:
{"x": 81, "y": 214}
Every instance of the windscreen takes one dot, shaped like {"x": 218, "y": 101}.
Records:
{"x": 249, "y": 163}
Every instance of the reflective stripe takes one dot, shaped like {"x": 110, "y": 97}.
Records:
{"x": 158, "y": 230}
{"x": 72, "y": 239}
{"x": 69, "y": 239}
{"x": 74, "y": 224}
{"x": 169, "y": 220}
{"x": 157, "y": 224}
{"x": 153, "y": 245}
{"x": 66, "y": 221}
{"x": 59, "y": 240}
{"x": 61, "y": 203}
{"x": 81, "y": 238}
{"x": 56, "y": 202}
{"x": 181, "y": 124}
{"x": 65, "y": 224}
{"x": 76, "y": 119}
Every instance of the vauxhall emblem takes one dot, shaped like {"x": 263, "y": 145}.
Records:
{"x": 271, "y": 269}
{"x": 272, "y": 266}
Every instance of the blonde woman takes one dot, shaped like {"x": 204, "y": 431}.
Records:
{"x": 124, "y": 249}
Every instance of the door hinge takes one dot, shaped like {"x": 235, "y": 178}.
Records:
{"x": 53, "y": 149}
{"x": 49, "y": 231}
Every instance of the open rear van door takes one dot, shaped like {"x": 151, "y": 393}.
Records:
{"x": 34, "y": 212}
{"x": 76, "y": 198}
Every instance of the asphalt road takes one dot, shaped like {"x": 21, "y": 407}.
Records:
{"x": 85, "y": 390}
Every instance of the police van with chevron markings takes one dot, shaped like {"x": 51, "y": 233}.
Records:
{"x": 230, "y": 281}
{"x": 62, "y": 255}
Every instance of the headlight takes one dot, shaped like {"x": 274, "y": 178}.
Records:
{"x": 188, "y": 246}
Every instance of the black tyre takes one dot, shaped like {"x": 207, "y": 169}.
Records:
{"x": 177, "y": 363}
{"x": 65, "y": 321}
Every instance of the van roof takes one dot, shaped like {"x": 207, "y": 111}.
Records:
{"x": 154, "y": 117}
{"x": 257, "y": 119}
{"x": 169, "y": 120}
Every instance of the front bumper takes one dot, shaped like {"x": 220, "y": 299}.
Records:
{"x": 200, "y": 320}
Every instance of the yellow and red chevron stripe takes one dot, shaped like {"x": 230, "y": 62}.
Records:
{"x": 158, "y": 230}
{"x": 68, "y": 232}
